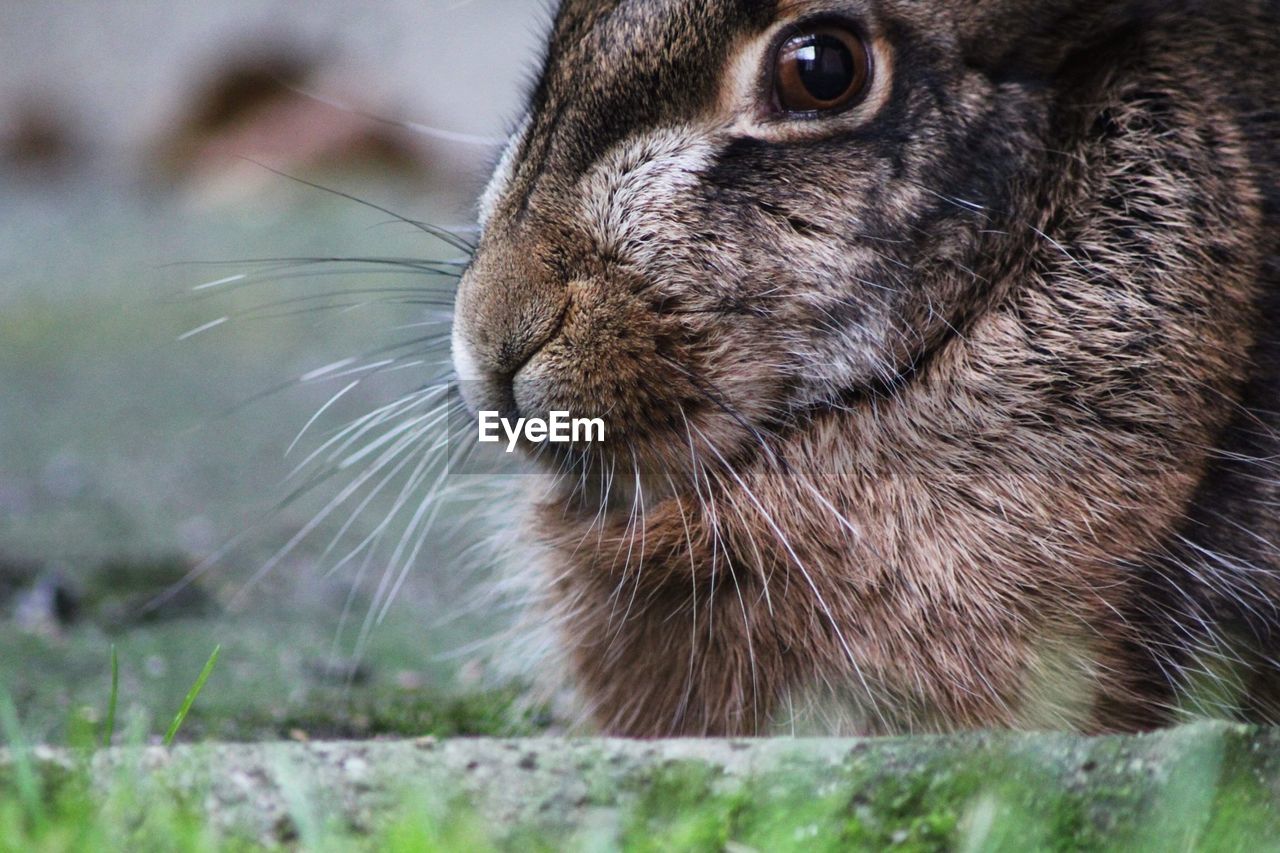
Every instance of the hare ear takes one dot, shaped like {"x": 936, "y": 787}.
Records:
{"x": 1039, "y": 36}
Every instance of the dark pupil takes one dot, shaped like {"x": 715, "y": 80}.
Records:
{"x": 826, "y": 67}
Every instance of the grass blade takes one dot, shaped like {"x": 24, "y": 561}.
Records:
{"x": 109, "y": 729}
{"x": 191, "y": 696}
{"x": 25, "y": 776}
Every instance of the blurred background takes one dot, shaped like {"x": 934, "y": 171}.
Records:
{"x": 175, "y": 176}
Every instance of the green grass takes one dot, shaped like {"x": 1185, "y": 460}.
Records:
{"x": 994, "y": 803}
{"x": 135, "y": 812}
{"x": 265, "y": 686}
{"x": 70, "y": 810}
{"x": 497, "y": 712}
{"x": 113, "y": 701}
{"x": 190, "y": 698}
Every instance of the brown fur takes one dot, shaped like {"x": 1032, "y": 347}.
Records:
{"x": 922, "y": 416}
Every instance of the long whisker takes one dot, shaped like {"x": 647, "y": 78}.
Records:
{"x": 426, "y": 228}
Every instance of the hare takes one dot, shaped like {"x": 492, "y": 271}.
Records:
{"x": 937, "y": 347}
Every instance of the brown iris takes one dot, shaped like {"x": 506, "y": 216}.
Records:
{"x": 822, "y": 70}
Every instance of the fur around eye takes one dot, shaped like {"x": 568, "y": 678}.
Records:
{"x": 820, "y": 69}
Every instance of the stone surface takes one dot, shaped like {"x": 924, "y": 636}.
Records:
{"x": 1170, "y": 787}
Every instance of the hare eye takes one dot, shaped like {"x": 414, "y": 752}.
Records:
{"x": 819, "y": 71}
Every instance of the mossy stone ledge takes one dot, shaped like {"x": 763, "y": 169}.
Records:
{"x": 1204, "y": 786}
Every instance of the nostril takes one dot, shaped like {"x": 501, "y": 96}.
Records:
{"x": 515, "y": 354}
{"x": 513, "y": 301}
{"x": 488, "y": 358}
{"x": 524, "y": 340}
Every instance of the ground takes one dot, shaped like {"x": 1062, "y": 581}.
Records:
{"x": 131, "y": 455}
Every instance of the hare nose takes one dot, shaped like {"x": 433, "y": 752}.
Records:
{"x": 510, "y": 305}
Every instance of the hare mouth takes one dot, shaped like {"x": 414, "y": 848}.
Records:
{"x": 680, "y": 405}
{"x": 683, "y": 440}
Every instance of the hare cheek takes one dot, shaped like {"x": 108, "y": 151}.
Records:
{"x": 629, "y": 200}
